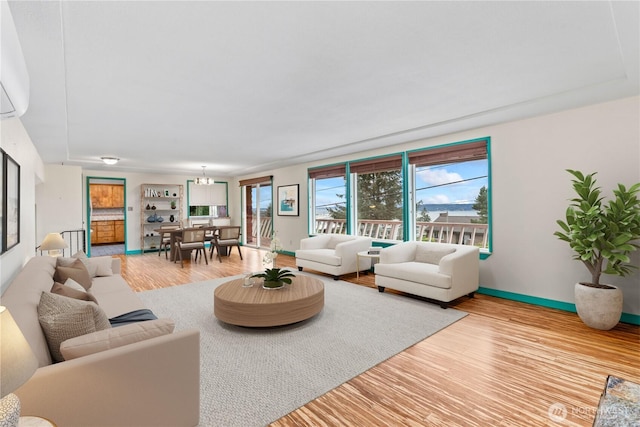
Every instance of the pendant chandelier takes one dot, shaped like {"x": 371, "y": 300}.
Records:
{"x": 203, "y": 180}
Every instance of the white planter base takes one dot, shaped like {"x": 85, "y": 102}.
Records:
{"x": 598, "y": 308}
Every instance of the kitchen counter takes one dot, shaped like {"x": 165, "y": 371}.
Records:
{"x": 107, "y": 217}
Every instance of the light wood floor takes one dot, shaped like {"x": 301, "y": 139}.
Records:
{"x": 505, "y": 364}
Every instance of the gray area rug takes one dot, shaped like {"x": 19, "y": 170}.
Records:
{"x": 251, "y": 377}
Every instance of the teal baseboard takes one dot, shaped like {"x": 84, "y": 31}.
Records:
{"x": 633, "y": 319}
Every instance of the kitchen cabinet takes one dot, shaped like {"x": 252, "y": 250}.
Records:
{"x": 106, "y": 196}
{"x": 107, "y": 232}
{"x": 119, "y": 231}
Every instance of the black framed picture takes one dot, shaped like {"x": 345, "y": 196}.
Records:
{"x": 10, "y": 203}
{"x": 288, "y": 203}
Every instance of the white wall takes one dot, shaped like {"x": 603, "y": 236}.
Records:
{"x": 15, "y": 142}
{"x": 530, "y": 191}
{"x": 59, "y": 200}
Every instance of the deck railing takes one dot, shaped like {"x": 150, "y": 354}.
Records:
{"x": 441, "y": 232}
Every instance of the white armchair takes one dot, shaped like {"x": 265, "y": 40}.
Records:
{"x": 438, "y": 271}
{"x": 333, "y": 254}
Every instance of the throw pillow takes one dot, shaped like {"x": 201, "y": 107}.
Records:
{"x": 116, "y": 337}
{"x": 74, "y": 285}
{"x": 66, "y": 291}
{"x": 76, "y": 271}
{"x": 102, "y": 265}
{"x": 62, "y": 318}
{"x": 431, "y": 255}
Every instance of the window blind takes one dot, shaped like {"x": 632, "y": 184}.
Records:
{"x": 450, "y": 154}
{"x": 380, "y": 164}
{"x": 207, "y": 195}
{"x": 332, "y": 171}
{"x": 258, "y": 180}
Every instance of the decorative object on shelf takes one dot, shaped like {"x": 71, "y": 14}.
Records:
{"x": 153, "y": 207}
{"x": 275, "y": 278}
{"x": 270, "y": 257}
{"x": 602, "y": 236}
{"x": 18, "y": 365}
{"x": 159, "y": 219}
{"x": 172, "y": 218}
{"x": 174, "y": 194}
{"x": 152, "y": 218}
{"x": 148, "y": 206}
{"x": 173, "y": 204}
{"x": 166, "y": 193}
{"x": 203, "y": 180}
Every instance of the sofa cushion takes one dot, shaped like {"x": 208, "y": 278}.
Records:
{"x": 74, "y": 285}
{"x": 323, "y": 256}
{"x": 96, "y": 266}
{"x": 62, "y": 318}
{"x": 431, "y": 254}
{"x": 418, "y": 272}
{"x": 76, "y": 271}
{"x": 115, "y": 337}
{"x": 66, "y": 291}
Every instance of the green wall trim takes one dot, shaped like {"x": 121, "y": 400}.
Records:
{"x": 633, "y": 319}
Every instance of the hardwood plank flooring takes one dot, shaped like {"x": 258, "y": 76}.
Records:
{"x": 505, "y": 364}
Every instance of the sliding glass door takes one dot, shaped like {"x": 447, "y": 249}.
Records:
{"x": 257, "y": 213}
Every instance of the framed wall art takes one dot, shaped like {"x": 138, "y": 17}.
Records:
{"x": 10, "y": 203}
{"x": 288, "y": 203}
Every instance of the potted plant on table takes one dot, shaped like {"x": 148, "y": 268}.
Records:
{"x": 602, "y": 236}
{"x": 275, "y": 278}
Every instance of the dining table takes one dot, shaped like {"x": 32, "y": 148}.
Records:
{"x": 174, "y": 233}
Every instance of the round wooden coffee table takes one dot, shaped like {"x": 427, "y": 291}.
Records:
{"x": 258, "y": 307}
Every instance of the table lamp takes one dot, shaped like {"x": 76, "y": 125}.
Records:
{"x": 53, "y": 242}
{"x": 17, "y": 365}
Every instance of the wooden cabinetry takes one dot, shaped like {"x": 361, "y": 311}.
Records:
{"x": 106, "y": 196}
{"x": 118, "y": 226}
{"x": 160, "y": 204}
{"x": 108, "y": 231}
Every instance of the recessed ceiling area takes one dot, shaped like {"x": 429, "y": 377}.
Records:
{"x": 243, "y": 87}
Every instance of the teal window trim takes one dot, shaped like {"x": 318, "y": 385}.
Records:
{"x": 349, "y": 202}
{"x": 406, "y": 199}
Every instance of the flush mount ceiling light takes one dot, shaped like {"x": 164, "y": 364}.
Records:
{"x": 203, "y": 180}
{"x": 110, "y": 160}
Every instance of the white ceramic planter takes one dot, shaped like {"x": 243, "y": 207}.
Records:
{"x": 598, "y": 308}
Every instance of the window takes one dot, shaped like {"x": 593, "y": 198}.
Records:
{"x": 377, "y": 184}
{"x": 450, "y": 189}
{"x": 328, "y": 204}
{"x": 438, "y": 194}
{"x": 208, "y": 200}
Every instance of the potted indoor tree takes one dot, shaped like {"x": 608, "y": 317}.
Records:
{"x": 602, "y": 236}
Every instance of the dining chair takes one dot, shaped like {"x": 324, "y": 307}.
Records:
{"x": 191, "y": 239}
{"x": 165, "y": 238}
{"x": 225, "y": 237}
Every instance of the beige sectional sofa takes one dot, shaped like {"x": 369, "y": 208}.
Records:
{"x": 333, "y": 254}
{"x": 438, "y": 271}
{"x": 152, "y": 381}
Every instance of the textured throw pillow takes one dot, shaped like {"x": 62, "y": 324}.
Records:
{"x": 62, "y": 318}
{"x": 116, "y": 337}
{"x": 66, "y": 291}
{"x": 431, "y": 255}
{"x": 76, "y": 271}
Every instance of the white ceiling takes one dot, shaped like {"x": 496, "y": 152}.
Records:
{"x": 243, "y": 87}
